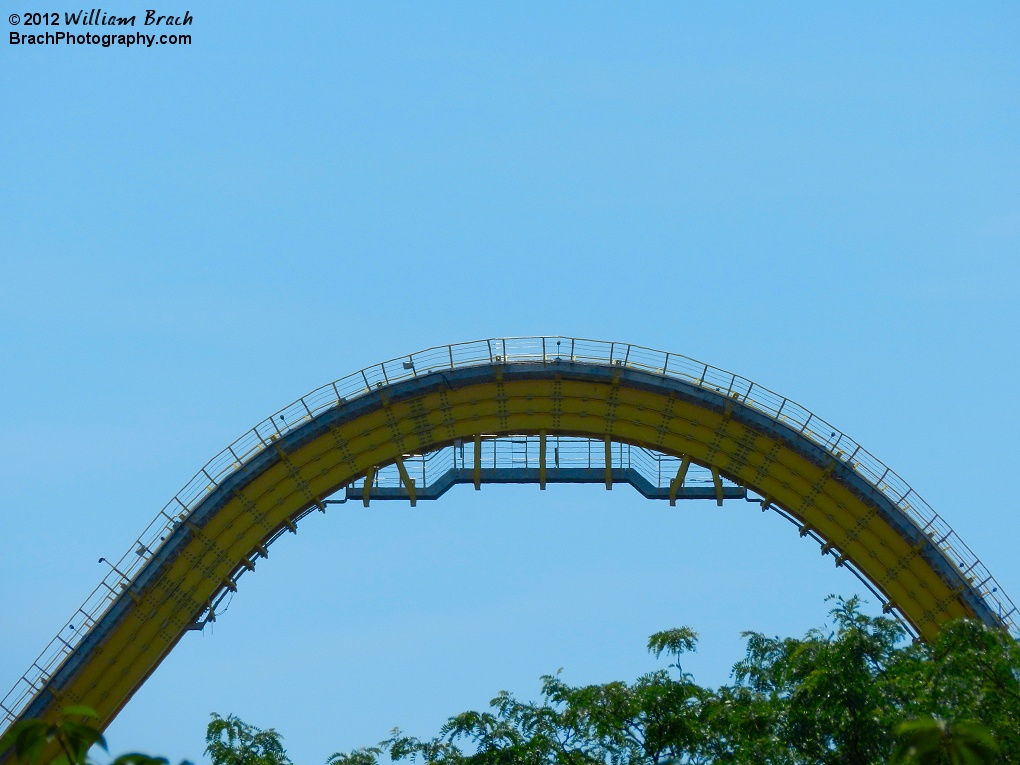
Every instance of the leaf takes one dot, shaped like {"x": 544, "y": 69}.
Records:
{"x": 80, "y": 710}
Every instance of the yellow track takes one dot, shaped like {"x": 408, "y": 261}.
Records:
{"x": 300, "y": 469}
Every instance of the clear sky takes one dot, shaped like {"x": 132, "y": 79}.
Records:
{"x": 824, "y": 198}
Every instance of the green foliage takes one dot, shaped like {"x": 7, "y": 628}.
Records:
{"x": 675, "y": 642}
{"x": 859, "y": 693}
{"x": 833, "y": 700}
{"x": 71, "y": 736}
{"x": 936, "y": 742}
{"x": 366, "y": 756}
{"x": 230, "y": 741}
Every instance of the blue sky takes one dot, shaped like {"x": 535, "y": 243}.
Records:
{"x": 823, "y": 199}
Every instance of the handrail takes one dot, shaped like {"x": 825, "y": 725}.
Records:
{"x": 478, "y": 353}
{"x": 571, "y": 451}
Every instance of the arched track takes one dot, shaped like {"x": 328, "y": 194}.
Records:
{"x": 258, "y": 488}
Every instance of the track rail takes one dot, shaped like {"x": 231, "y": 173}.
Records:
{"x": 545, "y": 350}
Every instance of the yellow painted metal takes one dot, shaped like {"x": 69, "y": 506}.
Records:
{"x": 717, "y": 482}
{"x": 406, "y": 480}
{"x": 677, "y": 483}
{"x": 366, "y": 492}
{"x": 126, "y": 656}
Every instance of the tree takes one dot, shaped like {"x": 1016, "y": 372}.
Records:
{"x": 230, "y": 741}
{"x": 969, "y": 674}
{"x": 832, "y": 696}
{"x": 72, "y": 735}
{"x": 858, "y": 693}
{"x": 936, "y": 742}
{"x": 66, "y": 741}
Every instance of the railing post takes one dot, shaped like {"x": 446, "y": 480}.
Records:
{"x": 936, "y": 531}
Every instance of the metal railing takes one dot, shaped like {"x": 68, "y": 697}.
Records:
{"x": 546, "y": 350}
{"x": 522, "y": 451}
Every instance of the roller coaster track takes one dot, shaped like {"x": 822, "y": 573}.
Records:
{"x": 518, "y": 410}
